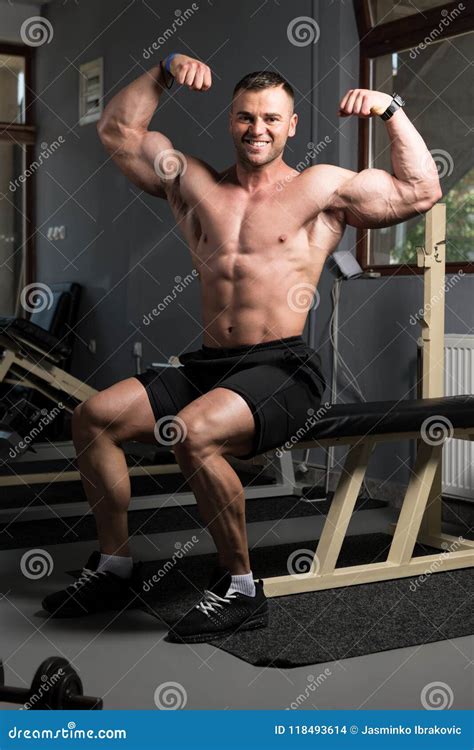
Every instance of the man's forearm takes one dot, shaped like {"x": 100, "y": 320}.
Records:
{"x": 411, "y": 161}
{"x": 134, "y": 106}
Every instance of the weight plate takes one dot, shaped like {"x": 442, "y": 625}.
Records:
{"x": 53, "y": 682}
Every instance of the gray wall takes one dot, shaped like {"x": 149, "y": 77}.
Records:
{"x": 122, "y": 245}
{"x": 12, "y": 15}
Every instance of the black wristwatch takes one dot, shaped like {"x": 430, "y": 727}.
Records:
{"x": 395, "y": 104}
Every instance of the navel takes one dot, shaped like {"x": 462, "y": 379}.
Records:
{"x": 282, "y": 238}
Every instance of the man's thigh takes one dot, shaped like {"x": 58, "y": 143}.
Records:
{"x": 282, "y": 401}
{"x": 219, "y": 419}
{"x": 168, "y": 391}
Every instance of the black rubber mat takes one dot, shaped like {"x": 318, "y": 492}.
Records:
{"x": 154, "y": 521}
{"x": 327, "y": 625}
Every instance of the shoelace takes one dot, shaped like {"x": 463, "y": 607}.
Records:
{"x": 85, "y": 577}
{"x": 211, "y": 602}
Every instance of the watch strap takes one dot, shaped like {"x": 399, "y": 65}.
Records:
{"x": 395, "y": 104}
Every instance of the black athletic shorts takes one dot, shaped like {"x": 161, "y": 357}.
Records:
{"x": 280, "y": 380}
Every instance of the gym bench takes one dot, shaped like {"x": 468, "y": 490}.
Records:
{"x": 429, "y": 421}
{"x": 363, "y": 426}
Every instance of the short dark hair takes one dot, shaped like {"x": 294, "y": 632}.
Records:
{"x": 263, "y": 79}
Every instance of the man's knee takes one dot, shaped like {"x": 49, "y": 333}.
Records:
{"x": 89, "y": 418}
{"x": 194, "y": 433}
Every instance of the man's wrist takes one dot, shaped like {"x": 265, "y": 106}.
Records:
{"x": 167, "y": 62}
{"x": 166, "y": 75}
{"x": 395, "y": 104}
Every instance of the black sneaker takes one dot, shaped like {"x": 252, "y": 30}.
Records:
{"x": 221, "y": 614}
{"x": 94, "y": 591}
{"x": 91, "y": 564}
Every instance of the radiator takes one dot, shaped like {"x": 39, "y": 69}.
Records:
{"x": 458, "y": 455}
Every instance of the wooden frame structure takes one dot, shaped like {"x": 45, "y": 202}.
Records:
{"x": 420, "y": 515}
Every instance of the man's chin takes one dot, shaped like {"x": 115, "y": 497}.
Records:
{"x": 254, "y": 159}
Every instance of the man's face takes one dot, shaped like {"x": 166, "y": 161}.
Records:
{"x": 260, "y": 123}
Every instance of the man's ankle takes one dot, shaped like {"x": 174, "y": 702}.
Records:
{"x": 118, "y": 564}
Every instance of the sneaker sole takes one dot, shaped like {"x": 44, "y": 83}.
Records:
{"x": 260, "y": 622}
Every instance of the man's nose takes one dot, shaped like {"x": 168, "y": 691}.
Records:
{"x": 257, "y": 128}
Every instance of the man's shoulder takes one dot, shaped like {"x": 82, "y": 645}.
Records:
{"x": 327, "y": 172}
{"x": 323, "y": 181}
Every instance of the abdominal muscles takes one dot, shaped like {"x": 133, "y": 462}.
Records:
{"x": 252, "y": 297}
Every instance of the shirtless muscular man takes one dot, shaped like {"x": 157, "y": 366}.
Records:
{"x": 259, "y": 233}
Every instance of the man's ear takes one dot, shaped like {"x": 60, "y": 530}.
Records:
{"x": 293, "y": 123}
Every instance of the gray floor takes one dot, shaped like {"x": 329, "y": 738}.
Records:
{"x": 124, "y": 658}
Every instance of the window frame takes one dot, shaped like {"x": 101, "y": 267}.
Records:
{"x": 25, "y": 134}
{"x": 384, "y": 39}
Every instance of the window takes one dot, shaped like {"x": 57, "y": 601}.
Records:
{"x": 431, "y": 65}
{"x": 17, "y": 135}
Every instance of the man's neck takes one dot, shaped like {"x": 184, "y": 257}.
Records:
{"x": 258, "y": 178}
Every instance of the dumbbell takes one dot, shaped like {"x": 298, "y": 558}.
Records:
{"x": 56, "y": 686}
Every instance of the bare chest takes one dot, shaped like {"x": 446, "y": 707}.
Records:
{"x": 231, "y": 226}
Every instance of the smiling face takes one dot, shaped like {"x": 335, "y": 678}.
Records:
{"x": 260, "y": 122}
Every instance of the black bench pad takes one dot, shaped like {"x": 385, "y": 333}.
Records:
{"x": 379, "y": 417}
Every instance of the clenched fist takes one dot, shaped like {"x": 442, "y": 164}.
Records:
{"x": 363, "y": 103}
{"x": 191, "y": 73}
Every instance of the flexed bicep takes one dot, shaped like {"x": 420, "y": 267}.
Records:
{"x": 368, "y": 199}
{"x": 142, "y": 156}
{"x": 374, "y": 198}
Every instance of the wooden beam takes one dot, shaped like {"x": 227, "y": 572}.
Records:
{"x": 408, "y": 32}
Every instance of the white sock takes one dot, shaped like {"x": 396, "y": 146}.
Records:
{"x": 243, "y": 585}
{"x": 121, "y": 566}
